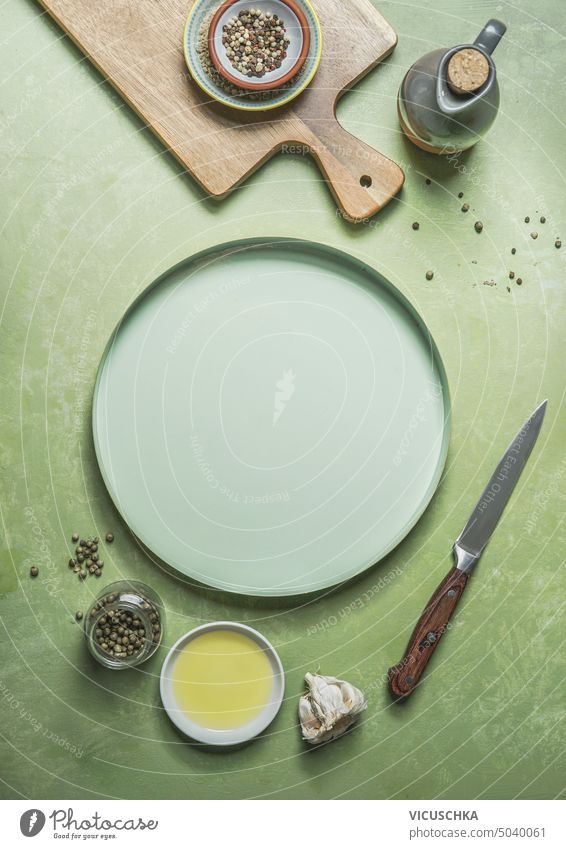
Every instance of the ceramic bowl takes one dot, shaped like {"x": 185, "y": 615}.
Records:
{"x": 241, "y": 99}
{"x": 231, "y": 736}
{"x": 297, "y": 31}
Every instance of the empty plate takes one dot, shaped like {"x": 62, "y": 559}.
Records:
{"x": 271, "y": 417}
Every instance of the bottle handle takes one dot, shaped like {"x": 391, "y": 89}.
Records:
{"x": 491, "y": 35}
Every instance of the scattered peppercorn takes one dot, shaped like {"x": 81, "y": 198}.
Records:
{"x": 542, "y": 219}
{"x": 465, "y": 207}
{"x": 109, "y": 537}
{"x": 86, "y": 553}
{"x": 427, "y": 181}
{"x": 534, "y": 235}
{"x": 460, "y": 194}
{"x": 558, "y": 243}
{"x": 478, "y": 226}
{"x": 527, "y": 219}
{"x": 511, "y": 275}
{"x": 416, "y": 225}
{"x": 429, "y": 275}
{"x": 513, "y": 251}
{"x": 79, "y": 615}
{"x": 519, "y": 281}
{"x": 34, "y": 571}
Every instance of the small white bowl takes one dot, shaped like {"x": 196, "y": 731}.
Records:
{"x": 297, "y": 29}
{"x": 229, "y": 736}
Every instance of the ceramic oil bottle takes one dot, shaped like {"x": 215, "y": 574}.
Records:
{"x": 449, "y": 99}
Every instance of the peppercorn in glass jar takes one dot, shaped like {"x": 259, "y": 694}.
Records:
{"x": 124, "y": 626}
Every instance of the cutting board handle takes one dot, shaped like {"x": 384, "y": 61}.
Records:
{"x": 361, "y": 179}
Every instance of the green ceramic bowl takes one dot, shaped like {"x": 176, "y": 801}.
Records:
{"x": 198, "y": 19}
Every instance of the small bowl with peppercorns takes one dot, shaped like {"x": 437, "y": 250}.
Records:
{"x": 259, "y": 46}
{"x": 124, "y": 626}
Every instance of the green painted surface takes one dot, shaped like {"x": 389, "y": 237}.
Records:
{"x": 93, "y": 209}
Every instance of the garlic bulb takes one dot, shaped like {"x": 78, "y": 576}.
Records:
{"x": 328, "y": 708}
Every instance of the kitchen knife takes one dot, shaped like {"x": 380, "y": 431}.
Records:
{"x": 404, "y": 676}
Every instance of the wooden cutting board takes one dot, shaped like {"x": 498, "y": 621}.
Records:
{"x": 137, "y": 45}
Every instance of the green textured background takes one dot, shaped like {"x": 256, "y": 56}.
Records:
{"x": 93, "y": 209}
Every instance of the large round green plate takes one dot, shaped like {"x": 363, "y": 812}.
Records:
{"x": 271, "y": 417}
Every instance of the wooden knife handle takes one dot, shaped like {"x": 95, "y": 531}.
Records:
{"x": 405, "y": 675}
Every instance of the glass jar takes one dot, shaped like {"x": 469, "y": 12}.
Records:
{"x": 124, "y": 626}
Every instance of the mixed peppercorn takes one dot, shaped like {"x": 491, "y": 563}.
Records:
{"x": 255, "y": 43}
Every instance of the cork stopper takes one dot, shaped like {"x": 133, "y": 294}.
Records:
{"x": 468, "y": 69}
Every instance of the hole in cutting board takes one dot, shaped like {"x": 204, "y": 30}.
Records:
{"x": 365, "y": 181}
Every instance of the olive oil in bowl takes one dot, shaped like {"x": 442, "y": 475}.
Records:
{"x": 222, "y": 679}
{"x": 222, "y": 683}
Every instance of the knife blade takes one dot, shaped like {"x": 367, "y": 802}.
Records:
{"x": 434, "y": 621}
